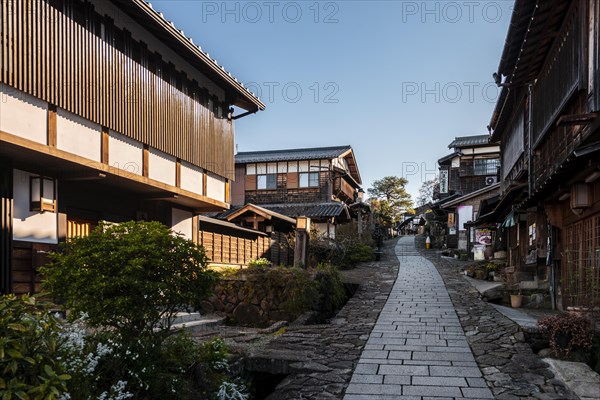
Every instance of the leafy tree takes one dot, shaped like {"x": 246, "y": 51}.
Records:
{"x": 130, "y": 277}
{"x": 389, "y": 199}
{"x": 429, "y": 191}
{"x": 29, "y": 338}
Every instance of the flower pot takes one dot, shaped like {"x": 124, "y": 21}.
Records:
{"x": 516, "y": 300}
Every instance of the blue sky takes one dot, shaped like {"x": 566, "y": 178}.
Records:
{"x": 398, "y": 80}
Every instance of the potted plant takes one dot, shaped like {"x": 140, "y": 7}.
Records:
{"x": 516, "y": 298}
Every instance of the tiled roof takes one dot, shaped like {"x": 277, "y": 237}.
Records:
{"x": 447, "y": 158}
{"x": 291, "y": 154}
{"x": 471, "y": 195}
{"x": 465, "y": 141}
{"x": 256, "y": 209}
{"x": 311, "y": 210}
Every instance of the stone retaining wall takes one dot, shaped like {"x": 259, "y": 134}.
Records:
{"x": 256, "y": 304}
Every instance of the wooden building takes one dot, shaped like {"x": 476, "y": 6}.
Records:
{"x": 107, "y": 112}
{"x": 472, "y": 165}
{"x": 546, "y": 121}
{"x": 319, "y": 183}
{"x": 468, "y": 175}
{"x": 245, "y": 233}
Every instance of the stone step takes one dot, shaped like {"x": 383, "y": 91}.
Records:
{"x": 195, "y": 322}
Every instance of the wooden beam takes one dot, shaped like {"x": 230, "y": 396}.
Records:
{"x": 30, "y": 145}
{"x": 195, "y": 229}
{"x": 51, "y": 125}
{"x": 576, "y": 119}
{"x": 145, "y": 161}
{"x": 178, "y": 173}
{"x": 104, "y": 146}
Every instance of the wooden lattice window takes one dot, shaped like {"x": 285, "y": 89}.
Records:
{"x": 581, "y": 275}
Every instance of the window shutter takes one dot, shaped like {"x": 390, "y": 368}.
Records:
{"x": 250, "y": 183}
{"x": 292, "y": 180}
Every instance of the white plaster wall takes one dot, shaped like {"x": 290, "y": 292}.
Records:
{"x": 31, "y": 226}
{"x": 191, "y": 178}
{"x": 78, "y": 135}
{"x": 321, "y": 228}
{"x": 215, "y": 187}
{"x": 23, "y": 115}
{"x": 161, "y": 167}
{"x": 489, "y": 149}
{"x": 181, "y": 222}
{"x": 125, "y": 153}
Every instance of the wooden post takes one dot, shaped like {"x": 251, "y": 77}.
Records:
{"x": 302, "y": 239}
{"x": 51, "y": 125}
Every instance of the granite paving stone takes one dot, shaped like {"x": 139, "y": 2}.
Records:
{"x": 425, "y": 351}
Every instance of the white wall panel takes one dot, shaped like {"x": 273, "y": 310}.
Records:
{"x": 23, "y": 115}
{"x": 181, "y": 222}
{"x": 215, "y": 187}
{"x": 78, "y": 135}
{"x": 125, "y": 153}
{"x": 191, "y": 178}
{"x": 31, "y": 226}
{"x": 161, "y": 167}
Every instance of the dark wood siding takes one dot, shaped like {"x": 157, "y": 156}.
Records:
{"x": 49, "y": 55}
{"x": 228, "y": 246}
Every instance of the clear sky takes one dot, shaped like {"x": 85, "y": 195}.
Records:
{"x": 397, "y": 80}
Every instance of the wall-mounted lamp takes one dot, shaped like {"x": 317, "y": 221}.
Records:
{"x": 269, "y": 228}
{"x": 42, "y": 194}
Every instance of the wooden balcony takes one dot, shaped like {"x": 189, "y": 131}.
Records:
{"x": 560, "y": 80}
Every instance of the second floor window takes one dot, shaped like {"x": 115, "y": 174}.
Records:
{"x": 486, "y": 166}
{"x": 309, "y": 179}
{"x": 266, "y": 182}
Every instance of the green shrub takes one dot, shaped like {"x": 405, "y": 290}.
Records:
{"x": 130, "y": 277}
{"x": 346, "y": 250}
{"x": 330, "y": 289}
{"x": 29, "y": 368}
{"x": 298, "y": 285}
{"x": 260, "y": 263}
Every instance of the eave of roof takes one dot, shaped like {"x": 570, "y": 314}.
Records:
{"x": 154, "y": 21}
{"x": 471, "y": 195}
{"x": 261, "y": 211}
{"x": 447, "y": 158}
{"x": 533, "y": 30}
{"x": 229, "y": 225}
{"x": 469, "y": 141}
{"x": 301, "y": 154}
{"x": 311, "y": 210}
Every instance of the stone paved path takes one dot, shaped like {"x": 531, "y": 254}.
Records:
{"x": 417, "y": 349}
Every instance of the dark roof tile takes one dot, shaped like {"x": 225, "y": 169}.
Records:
{"x": 466, "y": 141}
{"x": 291, "y": 154}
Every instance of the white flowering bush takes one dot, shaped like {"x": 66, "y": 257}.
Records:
{"x": 232, "y": 391}
{"x": 215, "y": 374}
